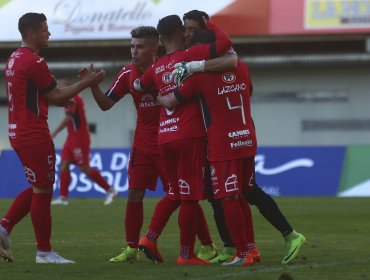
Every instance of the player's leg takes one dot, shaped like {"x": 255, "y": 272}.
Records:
{"x": 41, "y": 174}
{"x": 164, "y": 208}
{"x": 227, "y": 186}
{"x": 18, "y": 210}
{"x": 272, "y": 213}
{"x": 190, "y": 167}
{"x": 64, "y": 178}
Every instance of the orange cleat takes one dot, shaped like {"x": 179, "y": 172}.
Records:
{"x": 256, "y": 255}
{"x": 237, "y": 261}
{"x": 192, "y": 260}
{"x": 149, "y": 248}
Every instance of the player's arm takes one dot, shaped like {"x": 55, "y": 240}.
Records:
{"x": 181, "y": 94}
{"x": 61, "y": 125}
{"x": 146, "y": 82}
{"x": 104, "y": 102}
{"x": 60, "y": 96}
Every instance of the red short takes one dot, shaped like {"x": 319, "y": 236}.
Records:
{"x": 77, "y": 153}
{"x": 144, "y": 169}
{"x": 232, "y": 177}
{"x": 184, "y": 162}
{"x": 39, "y": 164}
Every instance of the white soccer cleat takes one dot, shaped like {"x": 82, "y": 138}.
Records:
{"x": 5, "y": 248}
{"x": 51, "y": 257}
{"x": 110, "y": 196}
{"x": 60, "y": 201}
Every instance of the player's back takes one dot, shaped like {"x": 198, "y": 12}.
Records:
{"x": 227, "y": 113}
{"x": 77, "y": 128}
{"x": 185, "y": 121}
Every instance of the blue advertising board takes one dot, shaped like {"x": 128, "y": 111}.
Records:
{"x": 280, "y": 171}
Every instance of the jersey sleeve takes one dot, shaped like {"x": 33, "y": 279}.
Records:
{"x": 120, "y": 85}
{"x": 147, "y": 81}
{"x": 41, "y": 76}
{"x": 187, "y": 90}
{"x": 208, "y": 51}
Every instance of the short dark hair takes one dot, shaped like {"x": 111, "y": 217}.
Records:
{"x": 197, "y": 16}
{"x": 202, "y": 36}
{"x": 30, "y": 21}
{"x": 145, "y": 32}
{"x": 169, "y": 26}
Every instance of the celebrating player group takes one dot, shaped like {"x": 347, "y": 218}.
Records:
{"x": 194, "y": 131}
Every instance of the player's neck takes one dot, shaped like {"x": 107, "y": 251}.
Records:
{"x": 30, "y": 46}
{"x": 172, "y": 47}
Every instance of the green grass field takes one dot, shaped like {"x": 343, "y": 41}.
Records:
{"x": 337, "y": 230}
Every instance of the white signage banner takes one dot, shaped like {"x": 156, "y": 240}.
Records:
{"x": 70, "y": 20}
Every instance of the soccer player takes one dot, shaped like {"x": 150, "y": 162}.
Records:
{"x": 231, "y": 143}
{"x": 30, "y": 86}
{"x": 193, "y": 21}
{"x": 76, "y": 150}
{"x": 181, "y": 133}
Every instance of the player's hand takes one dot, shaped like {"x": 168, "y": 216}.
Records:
{"x": 92, "y": 76}
{"x": 183, "y": 70}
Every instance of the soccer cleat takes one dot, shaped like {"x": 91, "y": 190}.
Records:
{"x": 60, "y": 201}
{"x": 225, "y": 255}
{"x": 149, "y": 248}
{"x": 294, "y": 242}
{"x": 207, "y": 252}
{"x": 127, "y": 254}
{"x": 256, "y": 255}
{"x": 51, "y": 257}
{"x": 237, "y": 261}
{"x": 111, "y": 194}
{"x": 5, "y": 247}
{"x": 192, "y": 260}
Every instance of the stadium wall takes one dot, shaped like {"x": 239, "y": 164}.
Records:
{"x": 280, "y": 171}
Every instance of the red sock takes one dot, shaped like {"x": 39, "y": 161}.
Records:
{"x": 18, "y": 210}
{"x": 133, "y": 222}
{"x": 97, "y": 178}
{"x": 235, "y": 222}
{"x": 41, "y": 220}
{"x": 248, "y": 219}
{"x": 188, "y": 223}
{"x": 202, "y": 229}
{"x": 162, "y": 212}
{"x": 65, "y": 180}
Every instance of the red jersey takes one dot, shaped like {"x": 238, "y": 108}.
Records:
{"x": 227, "y": 112}
{"x": 185, "y": 121}
{"x": 146, "y": 132}
{"x": 27, "y": 80}
{"x": 78, "y": 130}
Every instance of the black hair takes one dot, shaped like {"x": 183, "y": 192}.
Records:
{"x": 145, "y": 32}
{"x": 202, "y": 36}
{"x": 197, "y": 16}
{"x": 30, "y": 21}
{"x": 169, "y": 26}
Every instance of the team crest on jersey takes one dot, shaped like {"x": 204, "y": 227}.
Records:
{"x": 229, "y": 77}
{"x": 167, "y": 78}
{"x": 11, "y": 63}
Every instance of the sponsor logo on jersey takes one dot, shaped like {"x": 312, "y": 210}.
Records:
{"x": 238, "y": 133}
{"x": 159, "y": 69}
{"x": 229, "y": 77}
{"x": 169, "y": 129}
{"x": 169, "y": 121}
{"x": 232, "y": 88}
{"x": 241, "y": 144}
{"x": 167, "y": 78}
{"x": 147, "y": 100}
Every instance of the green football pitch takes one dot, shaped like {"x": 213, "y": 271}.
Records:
{"x": 337, "y": 231}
